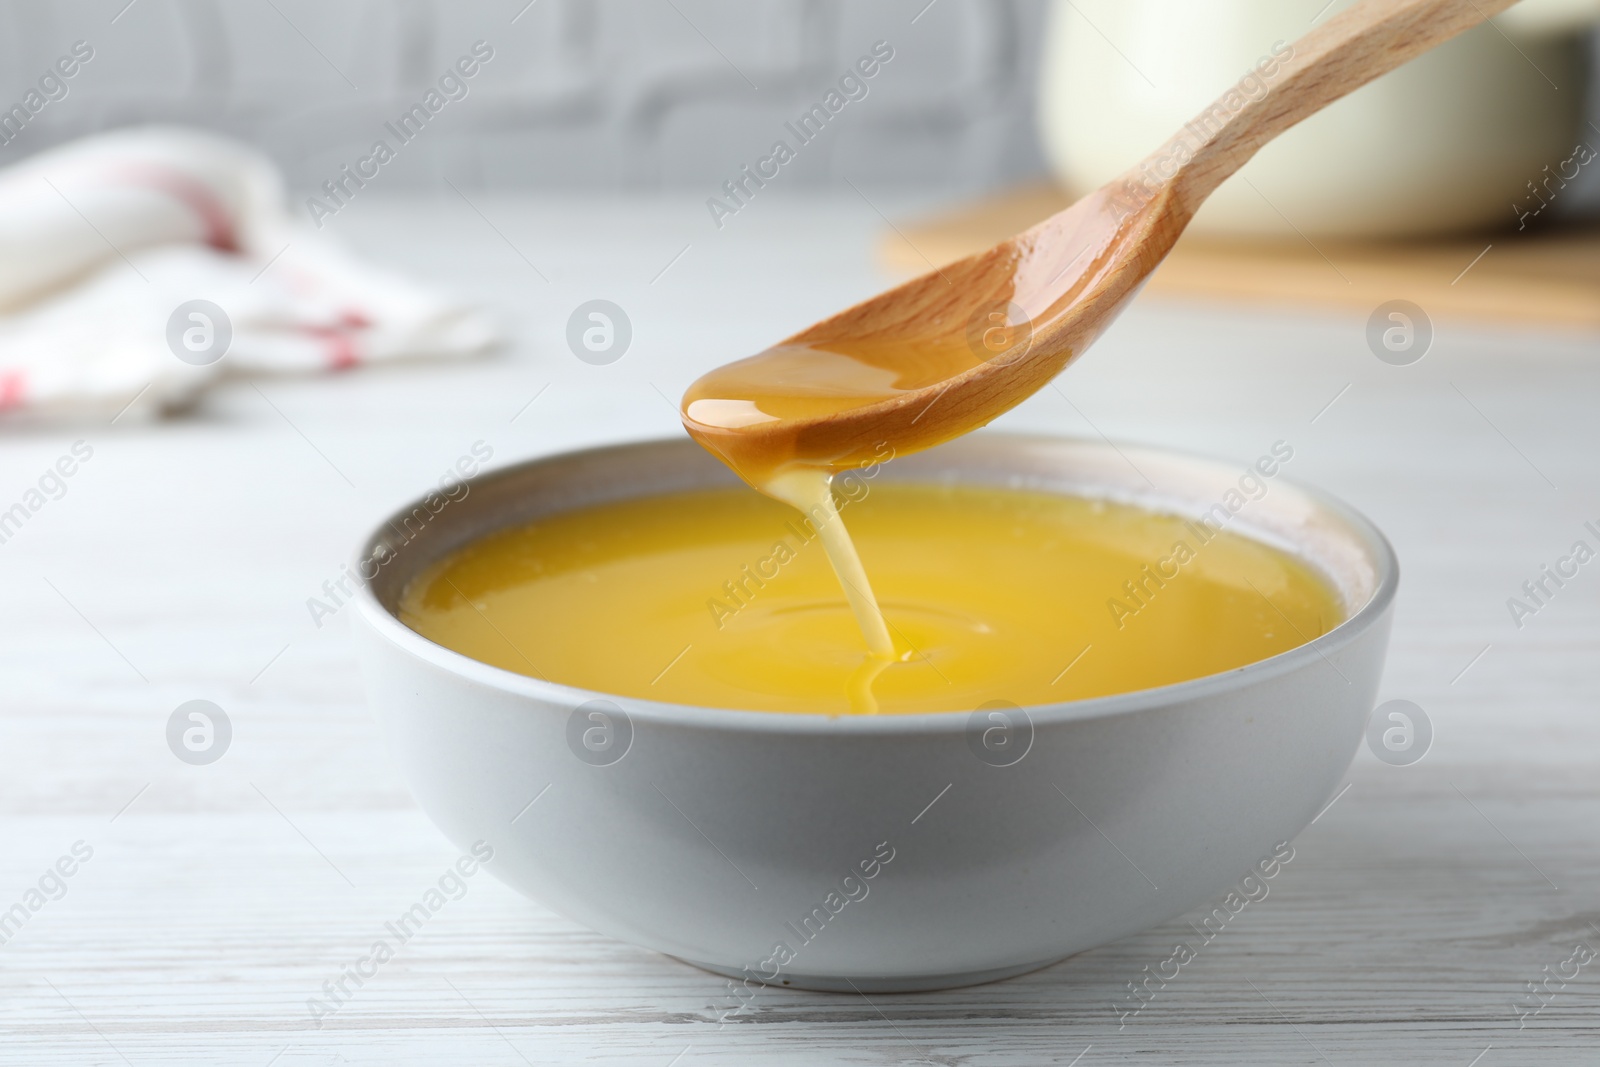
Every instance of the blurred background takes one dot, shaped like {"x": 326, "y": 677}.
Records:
{"x": 991, "y": 114}
{"x": 582, "y": 95}
{"x": 607, "y": 94}
{"x": 1406, "y": 289}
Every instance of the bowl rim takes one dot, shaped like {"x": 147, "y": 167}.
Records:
{"x": 387, "y": 626}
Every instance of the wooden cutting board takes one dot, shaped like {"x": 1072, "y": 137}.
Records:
{"x": 1549, "y": 275}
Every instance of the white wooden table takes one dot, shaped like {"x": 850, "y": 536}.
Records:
{"x": 220, "y": 898}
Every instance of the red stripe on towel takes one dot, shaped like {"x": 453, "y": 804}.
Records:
{"x": 341, "y": 346}
{"x": 195, "y": 195}
{"x": 11, "y": 389}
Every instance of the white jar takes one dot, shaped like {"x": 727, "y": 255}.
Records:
{"x": 1446, "y": 143}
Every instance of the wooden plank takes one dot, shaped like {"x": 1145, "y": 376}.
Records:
{"x": 1550, "y": 275}
{"x": 217, "y": 903}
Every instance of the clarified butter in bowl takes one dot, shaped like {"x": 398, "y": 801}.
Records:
{"x": 1119, "y": 680}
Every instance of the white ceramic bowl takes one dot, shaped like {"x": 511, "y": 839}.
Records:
{"x": 716, "y": 835}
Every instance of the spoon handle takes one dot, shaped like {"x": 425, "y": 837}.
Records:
{"x": 1352, "y": 48}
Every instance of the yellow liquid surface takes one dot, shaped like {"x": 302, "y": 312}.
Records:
{"x": 726, "y": 598}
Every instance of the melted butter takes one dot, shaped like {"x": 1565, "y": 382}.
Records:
{"x": 810, "y": 491}
{"x": 725, "y": 599}
{"x": 838, "y": 395}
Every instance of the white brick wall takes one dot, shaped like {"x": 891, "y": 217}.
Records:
{"x": 580, "y": 93}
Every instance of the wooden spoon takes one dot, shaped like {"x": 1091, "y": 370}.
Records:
{"x": 947, "y": 352}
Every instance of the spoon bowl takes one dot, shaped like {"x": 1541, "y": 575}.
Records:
{"x": 939, "y": 355}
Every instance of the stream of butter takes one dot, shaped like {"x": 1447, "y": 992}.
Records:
{"x": 811, "y": 491}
